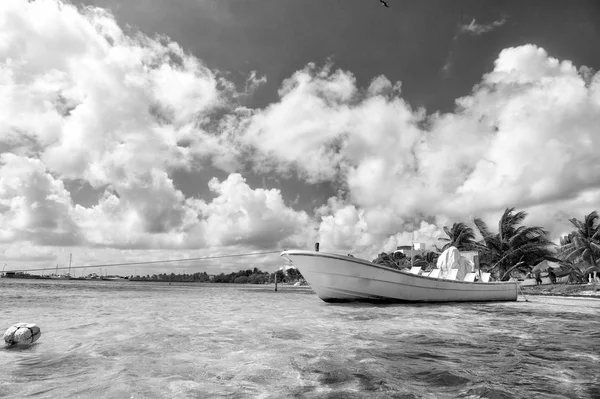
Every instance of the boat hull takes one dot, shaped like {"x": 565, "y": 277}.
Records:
{"x": 338, "y": 278}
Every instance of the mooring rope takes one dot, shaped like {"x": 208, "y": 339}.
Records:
{"x": 522, "y": 293}
{"x": 149, "y": 262}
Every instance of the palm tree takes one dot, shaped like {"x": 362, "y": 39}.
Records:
{"x": 584, "y": 242}
{"x": 426, "y": 260}
{"x": 460, "y": 236}
{"x": 386, "y": 260}
{"x": 419, "y": 260}
{"x": 575, "y": 271}
{"x": 514, "y": 246}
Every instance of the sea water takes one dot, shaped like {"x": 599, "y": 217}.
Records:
{"x": 103, "y": 339}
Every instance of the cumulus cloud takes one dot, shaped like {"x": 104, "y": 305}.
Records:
{"x": 80, "y": 99}
{"x": 544, "y": 145}
{"x": 94, "y": 103}
{"x": 150, "y": 213}
{"x": 303, "y": 127}
{"x": 259, "y": 218}
{"x": 525, "y": 136}
{"x": 34, "y": 206}
{"x": 367, "y": 231}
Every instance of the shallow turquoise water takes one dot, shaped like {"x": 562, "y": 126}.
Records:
{"x": 152, "y": 340}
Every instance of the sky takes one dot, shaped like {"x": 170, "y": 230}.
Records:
{"x": 151, "y": 130}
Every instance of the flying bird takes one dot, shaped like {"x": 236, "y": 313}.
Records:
{"x": 384, "y": 3}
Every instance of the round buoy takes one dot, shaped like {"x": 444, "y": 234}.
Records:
{"x": 22, "y": 334}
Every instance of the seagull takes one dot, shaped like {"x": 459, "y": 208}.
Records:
{"x": 384, "y": 3}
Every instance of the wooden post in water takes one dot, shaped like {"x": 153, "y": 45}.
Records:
{"x": 275, "y": 276}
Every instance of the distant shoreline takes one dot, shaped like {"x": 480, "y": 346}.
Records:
{"x": 124, "y": 280}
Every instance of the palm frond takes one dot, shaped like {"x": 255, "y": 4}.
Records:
{"x": 482, "y": 227}
{"x": 447, "y": 231}
{"x": 528, "y": 234}
{"x": 590, "y": 222}
{"x": 596, "y": 235}
{"x": 573, "y": 253}
{"x": 565, "y": 239}
{"x": 595, "y": 247}
{"x": 579, "y": 225}
{"x": 591, "y": 269}
{"x": 509, "y": 221}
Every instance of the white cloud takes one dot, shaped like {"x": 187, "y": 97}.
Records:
{"x": 253, "y": 82}
{"x": 25, "y": 251}
{"x": 544, "y": 148}
{"x": 34, "y": 206}
{"x": 90, "y": 98}
{"x": 239, "y": 216}
{"x": 259, "y": 217}
{"x": 149, "y": 213}
{"x": 80, "y": 99}
{"x": 524, "y": 137}
{"x": 367, "y": 232}
{"x": 479, "y": 29}
{"x": 303, "y": 126}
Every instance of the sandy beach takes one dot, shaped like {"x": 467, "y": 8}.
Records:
{"x": 565, "y": 290}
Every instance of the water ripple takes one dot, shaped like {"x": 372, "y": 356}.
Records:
{"x": 143, "y": 340}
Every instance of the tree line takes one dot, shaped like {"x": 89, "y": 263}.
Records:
{"x": 249, "y": 276}
{"x": 513, "y": 248}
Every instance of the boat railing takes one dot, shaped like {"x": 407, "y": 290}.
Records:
{"x": 435, "y": 273}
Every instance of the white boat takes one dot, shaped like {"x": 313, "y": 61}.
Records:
{"x": 339, "y": 278}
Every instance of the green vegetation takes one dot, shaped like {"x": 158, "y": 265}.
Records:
{"x": 196, "y": 277}
{"x": 515, "y": 249}
{"x": 580, "y": 250}
{"x": 398, "y": 260}
{"x": 460, "y": 236}
{"x": 254, "y": 276}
